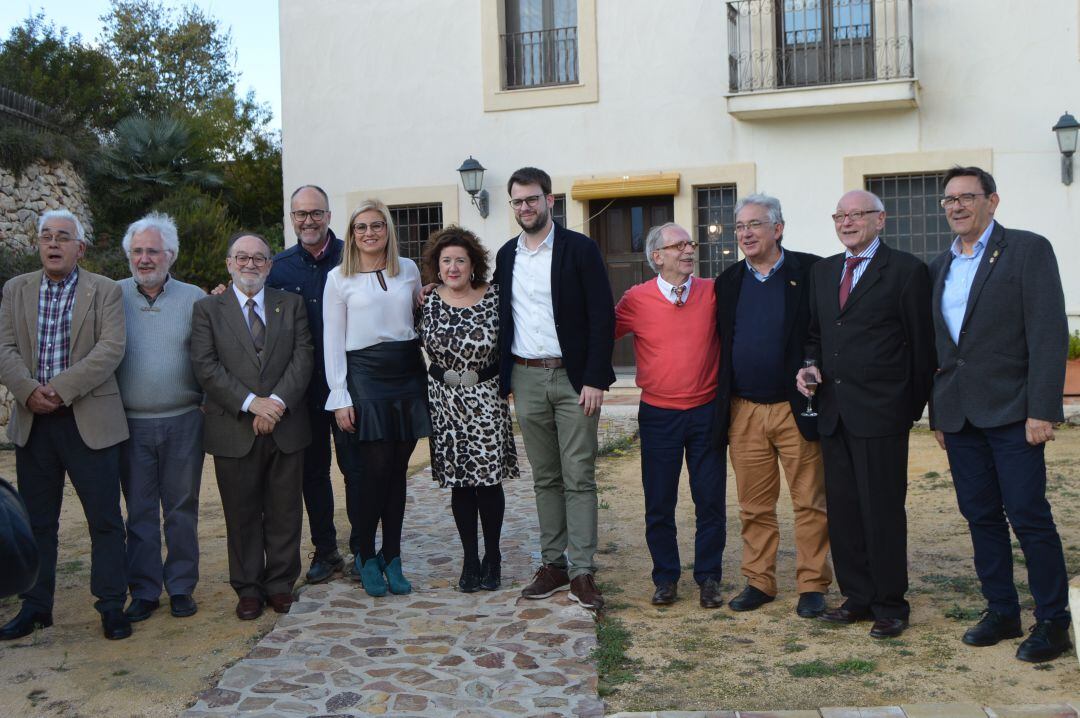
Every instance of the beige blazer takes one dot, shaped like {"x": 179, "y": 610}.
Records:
{"x": 228, "y": 368}
{"x": 88, "y": 385}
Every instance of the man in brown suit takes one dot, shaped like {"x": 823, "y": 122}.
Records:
{"x": 252, "y": 354}
{"x": 61, "y": 340}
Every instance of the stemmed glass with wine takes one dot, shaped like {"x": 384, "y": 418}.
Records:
{"x": 811, "y": 385}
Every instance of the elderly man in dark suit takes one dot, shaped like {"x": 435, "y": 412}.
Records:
{"x": 251, "y": 350}
{"x": 557, "y": 325}
{"x": 872, "y": 340}
{"x": 61, "y": 340}
{"x": 1002, "y": 340}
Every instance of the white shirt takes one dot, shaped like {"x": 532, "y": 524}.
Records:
{"x": 358, "y": 313}
{"x": 260, "y": 309}
{"x": 667, "y": 289}
{"x": 530, "y": 301}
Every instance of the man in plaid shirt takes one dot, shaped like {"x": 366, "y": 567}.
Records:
{"x": 61, "y": 340}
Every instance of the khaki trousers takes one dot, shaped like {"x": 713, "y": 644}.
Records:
{"x": 760, "y": 435}
{"x": 561, "y": 444}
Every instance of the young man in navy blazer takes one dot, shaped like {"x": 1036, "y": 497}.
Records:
{"x": 557, "y": 323}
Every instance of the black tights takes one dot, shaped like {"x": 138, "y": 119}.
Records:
{"x": 486, "y": 501}
{"x": 375, "y": 487}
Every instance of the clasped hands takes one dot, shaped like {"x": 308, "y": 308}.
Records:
{"x": 44, "y": 400}
{"x": 268, "y": 413}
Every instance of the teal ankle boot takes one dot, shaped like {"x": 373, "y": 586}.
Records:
{"x": 372, "y": 577}
{"x": 398, "y": 585}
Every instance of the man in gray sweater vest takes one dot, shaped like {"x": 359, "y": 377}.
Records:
{"x": 162, "y": 461}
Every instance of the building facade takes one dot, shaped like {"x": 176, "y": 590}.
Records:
{"x": 644, "y": 112}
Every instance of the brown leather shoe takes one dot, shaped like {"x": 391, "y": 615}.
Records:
{"x": 844, "y": 615}
{"x": 710, "y": 594}
{"x": 547, "y": 580}
{"x": 280, "y": 602}
{"x": 249, "y": 608}
{"x": 583, "y": 589}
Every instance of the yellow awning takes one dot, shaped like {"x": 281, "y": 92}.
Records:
{"x": 626, "y": 186}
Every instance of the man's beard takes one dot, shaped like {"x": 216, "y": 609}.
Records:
{"x": 539, "y": 221}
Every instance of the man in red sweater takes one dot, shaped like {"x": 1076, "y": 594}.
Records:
{"x": 673, "y": 320}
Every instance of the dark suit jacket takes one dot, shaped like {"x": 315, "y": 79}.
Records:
{"x": 226, "y": 365}
{"x": 584, "y": 310}
{"x": 88, "y": 385}
{"x": 794, "y": 274}
{"x": 1014, "y": 339}
{"x": 877, "y": 355}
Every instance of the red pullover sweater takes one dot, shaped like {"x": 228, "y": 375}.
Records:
{"x": 678, "y": 351}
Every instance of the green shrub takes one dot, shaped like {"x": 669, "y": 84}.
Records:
{"x": 20, "y": 148}
{"x": 1074, "y": 345}
{"x": 14, "y": 262}
{"x": 204, "y": 225}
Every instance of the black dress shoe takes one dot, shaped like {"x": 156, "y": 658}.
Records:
{"x": 182, "y": 605}
{"x": 811, "y": 604}
{"x": 323, "y": 567}
{"x": 24, "y": 623}
{"x": 710, "y": 594}
{"x": 116, "y": 624}
{"x": 750, "y": 599}
{"x": 665, "y": 594}
{"x": 1048, "y": 640}
{"x": 842, "y": 614}
{"x": 491, "y": 573}
{"x": 470, "y": 576}
{"x": 140, "y": 609}
{"x": 992, "y": 628}
{"x": 888, "y": 627}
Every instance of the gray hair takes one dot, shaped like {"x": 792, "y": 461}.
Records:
{"x": 161, "y": 223}
{"x": 771, "y": 205}
{"x": 80, "y": 234}
{"x": 653, "y": 239}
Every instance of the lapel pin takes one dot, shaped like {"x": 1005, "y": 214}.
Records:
{"x": 277, "y": 310}
{"x": 997, "y": 252}
{"x": 992, "y": 259}
{"x": 794, "y": 283}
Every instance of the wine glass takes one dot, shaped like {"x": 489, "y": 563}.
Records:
{"x": 811, "y": 385}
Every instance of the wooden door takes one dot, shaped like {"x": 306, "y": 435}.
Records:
{"x": 620, "y": 231}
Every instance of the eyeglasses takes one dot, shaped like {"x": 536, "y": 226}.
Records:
{"x": 531, "y": 201}
{"x": 854, "y": 215}
{"x": 301, "y": 215}
{"x": 680, "y": 246}
{"x": 753, "y": 225}
{"x": 376, "y": 227}
{"x": 966, "y": 200}
{"x": 151, "y": 253}
{"x": 257, "y": 260}
{"x": 58, "y": 237}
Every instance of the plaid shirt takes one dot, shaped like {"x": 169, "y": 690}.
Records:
{"x": 55, "y": 301}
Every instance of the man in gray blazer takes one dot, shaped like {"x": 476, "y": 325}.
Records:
{"x": 1002, "y": 338}
{"x": 61, "y": 339}
{"x": 252, "y": 354}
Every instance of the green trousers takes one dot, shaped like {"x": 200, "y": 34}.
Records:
{"x": 560, "y": 442}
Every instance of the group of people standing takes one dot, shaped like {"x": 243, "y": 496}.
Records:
{"x": 324, "y": 342}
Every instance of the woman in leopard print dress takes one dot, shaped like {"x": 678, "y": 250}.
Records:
{"x": 472, "y": 441}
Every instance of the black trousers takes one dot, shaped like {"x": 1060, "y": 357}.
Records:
{"x": 55, "y": 447}
{"x": 865, "y": 490}
{"x": 318, "y": 491}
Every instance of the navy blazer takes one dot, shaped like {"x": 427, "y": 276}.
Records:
{"x": 877, "y": 353}
{"x": 1014, "y": 338}
{"x": 794, "y": 274}
{"x": 583, "y": 304}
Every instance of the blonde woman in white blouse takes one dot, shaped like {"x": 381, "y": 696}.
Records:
{"x": 378, "y": 387}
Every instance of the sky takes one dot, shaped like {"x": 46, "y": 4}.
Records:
{"x": 254, "y": 26}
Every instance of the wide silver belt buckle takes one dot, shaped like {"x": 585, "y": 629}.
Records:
{"x": 464, "y": 378}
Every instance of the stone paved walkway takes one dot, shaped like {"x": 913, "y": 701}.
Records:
{"x": 436, "y": 652}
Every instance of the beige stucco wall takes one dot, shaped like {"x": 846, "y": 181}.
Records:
{"x": 391, "y": 95}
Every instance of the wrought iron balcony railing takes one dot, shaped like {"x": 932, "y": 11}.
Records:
{"x": 540, "y": 58}
{"x": 777, "y": 44}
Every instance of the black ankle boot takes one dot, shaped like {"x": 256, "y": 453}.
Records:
{"x": 470, "y": 576}
{"x": 491, "y": 573}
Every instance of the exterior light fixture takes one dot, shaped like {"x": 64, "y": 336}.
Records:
{"x": 472, "y": 178}
{"x": 1066, "y": 129}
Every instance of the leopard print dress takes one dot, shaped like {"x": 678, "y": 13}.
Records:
{"x": 472, "y": 439}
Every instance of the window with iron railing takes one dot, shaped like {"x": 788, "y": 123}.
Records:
{"x": 717, "y": 246}
{"x": 540, "y": 45}
{"x": 776, "y": 44}
{"x": 414, "y": 223}
{"x": 914, "y": 220}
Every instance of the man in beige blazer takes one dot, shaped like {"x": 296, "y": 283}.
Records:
{"x": 251, "y": 351}
{"x": 61, "y": 340}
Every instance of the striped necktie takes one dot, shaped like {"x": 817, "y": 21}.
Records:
{"x": 255, "y": 324}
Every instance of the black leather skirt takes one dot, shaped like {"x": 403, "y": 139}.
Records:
{"x": 388, "y": 386}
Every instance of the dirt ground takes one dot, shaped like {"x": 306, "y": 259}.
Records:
{"x": 687, "y": 658}
{"x": 682, "y": 657}
{"x": 70, "y": 670}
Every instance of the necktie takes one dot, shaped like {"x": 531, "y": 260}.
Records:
{"x": 678, "y": 295}
{"x": 849, "y": 275}
{"x": 255, "y": 324}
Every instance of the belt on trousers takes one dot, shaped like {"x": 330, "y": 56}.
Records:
{"x": 552, "y": 363}
{"x": 468, "y": 377}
